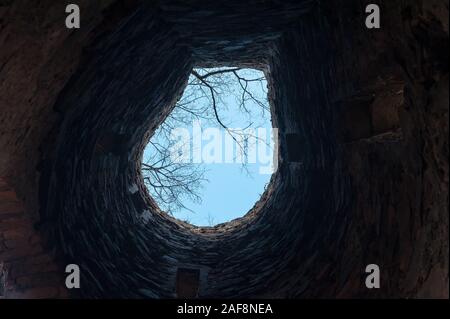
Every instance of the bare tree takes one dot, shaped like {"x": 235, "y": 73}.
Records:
{"x": 170, "y": 181}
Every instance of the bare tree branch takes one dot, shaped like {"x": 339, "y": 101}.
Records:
{"x": 171, "y": 181}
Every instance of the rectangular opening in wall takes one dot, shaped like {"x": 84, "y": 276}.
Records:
{"x": 187, "y": 282}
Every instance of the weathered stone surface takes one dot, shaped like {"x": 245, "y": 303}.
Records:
{"x": 369, "y": 183}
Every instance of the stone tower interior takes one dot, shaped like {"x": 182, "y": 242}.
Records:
{"x": 363, "y": 138}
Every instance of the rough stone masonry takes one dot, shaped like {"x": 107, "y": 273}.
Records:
{"x": 364, "y": 113}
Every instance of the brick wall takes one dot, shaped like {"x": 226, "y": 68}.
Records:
{"x": 27, "y": 270}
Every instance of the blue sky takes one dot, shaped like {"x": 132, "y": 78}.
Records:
{"x": 230, "y": 190}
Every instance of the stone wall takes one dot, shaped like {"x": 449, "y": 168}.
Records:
{"x": 398, "y": 172}
{"x": 364, "y": 115}
{"x": 38, "y": 58}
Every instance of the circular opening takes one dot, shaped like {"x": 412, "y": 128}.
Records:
{"x": 212, "y": 158}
